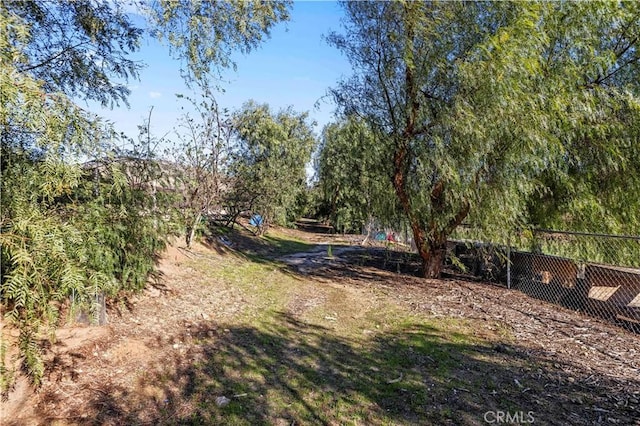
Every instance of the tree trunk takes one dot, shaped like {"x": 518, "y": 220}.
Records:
{"x": 432, "y": 252}
{"x": 430, "y": 240}
{"x": 191, "y": 230}
{"x": 188, "y": 237}
{"x": 433, "y": 257}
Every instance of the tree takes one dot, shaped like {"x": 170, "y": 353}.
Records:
{"x": 267, "y": 169}
{"x": 72, "y": 229}
{"x": 477, "y": 100}
{"x": 353, "y": 177}
{"x": 200, "y": 159}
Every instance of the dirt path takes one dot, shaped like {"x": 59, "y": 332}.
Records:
{"x": 323, "y": 255}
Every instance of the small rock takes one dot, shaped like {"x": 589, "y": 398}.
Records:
{"x": 204, "y": 316}
{"x": 222, "y": 401}
{"x": 176, "y": 346}
{"x": 152, "y": 292}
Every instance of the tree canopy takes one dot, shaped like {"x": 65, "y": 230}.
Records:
{"x": 205, "y": 34}
{"x": 83, "y": 48}
{"x": 79, "y": 48}
{"x": 354, "y": 177}
{"x": 498, "y": 114}
{"x": 268, "y": 160}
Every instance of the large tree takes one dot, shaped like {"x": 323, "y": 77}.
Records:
{"x": 477, "y": 101}
{"x": 353, "y": 180}
{"x": 267, "y": 169}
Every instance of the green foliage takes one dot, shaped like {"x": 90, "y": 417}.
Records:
{"x": 499, "y": 114}
{"x": 267, "y": 168}
{"x": 569, "y": 73}
{"x": 78, "y": 47}
{"x": 353, "y": 177}
{"x": 204, "y": 34}
{"x": 60, "y": 250}
{"x": 71, "y": 229}
{"x": 7, "y": 372}
{"x": 82, "y": 47}
{"x": 582, "y": 248}
{"x": 68, "y": 231}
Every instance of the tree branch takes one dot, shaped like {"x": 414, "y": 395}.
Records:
{"x": 50, "y": 59}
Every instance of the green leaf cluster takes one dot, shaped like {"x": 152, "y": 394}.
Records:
{"x": 267, "y": 165}
{"x": 70, "y": 229}
{"x": 354, "y": 177}
{"x": 204, "y": 34}
{"x": 80, "y": 48}
{"x": 561, "y": 84}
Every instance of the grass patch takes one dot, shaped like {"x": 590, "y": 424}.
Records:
{"x": 386, "y": 366}
{"x": 305, "y": 374}
{"x": 281, "y": 245}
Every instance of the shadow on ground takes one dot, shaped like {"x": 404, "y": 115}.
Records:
{"x": 289, "y": 372}
{"x": 242, "y": 242}
{"x": 356, "y": 264}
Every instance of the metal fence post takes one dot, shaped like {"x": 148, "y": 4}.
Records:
{"x": 509, "y": 263}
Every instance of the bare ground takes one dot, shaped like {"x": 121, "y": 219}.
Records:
{"x": 323, "y": 351}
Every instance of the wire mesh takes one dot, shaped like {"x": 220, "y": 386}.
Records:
{"x": 593, "y": 273}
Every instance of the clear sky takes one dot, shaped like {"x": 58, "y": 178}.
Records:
{"x": 295, "y": 66}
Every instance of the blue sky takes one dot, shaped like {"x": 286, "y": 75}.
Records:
{"x": 295, "y": 66}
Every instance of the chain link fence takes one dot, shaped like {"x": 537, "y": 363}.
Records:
{"x": 596, "y": 274}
